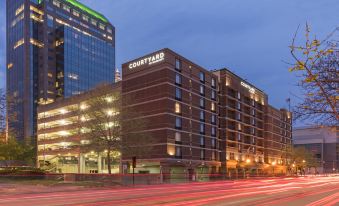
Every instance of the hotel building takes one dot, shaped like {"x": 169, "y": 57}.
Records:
{"x": 203, "y": 122}
{"x": 55, "y": 49}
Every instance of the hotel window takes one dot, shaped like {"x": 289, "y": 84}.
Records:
{"x": 238, "y": 116}
{"x": 252, "y": 130}
{"x": 252, "y": 121}
{"x": 202, "y": 76}
{"x": 202, "y": 141}
{"x": 177, "y": 79}
{"x": 231, "y": 156}
{"x": 84, "y": 17}
{"x": 213, "y": 83}
{"x": 212, "y": 106}
{"x": 213, "y": 95}
{"x": 177, "y": 108}
{"x": 253, "y": 102}
{"x": 202, "y": 116}
{"x": 178, "y": 122}
{"x": 202, "y": 103}
{"x": 213, "y": 131}
{"x": 214, "y": 143}
{"x": 66, "y": 8}
{"x": 202, "y": 154}
{"x": 76, "y": 13}
{"x": 214, "y": 155}
{"x": 239, "y": 137}
{"x": 252, "y": 112}
{"x": 238, "y": 95}
{"x": 214, "y": 119}
{"x": 202, "y": 128}
{"x": 178, "y": 64}
{"x": 202, "y": 90}
{"x": 239, "y": 126}
{"x": 177, "y": 137}
{"x": 178, "y": 151}
{"x": 56, "y": 3}
{"x": 178, "y": 93}
{"x": 253, "y": 140}
{"x": 238, "y": 106}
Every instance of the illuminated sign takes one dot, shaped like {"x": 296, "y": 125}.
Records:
{"x": 250, "y": 89}
{"x": 148, "y": 60}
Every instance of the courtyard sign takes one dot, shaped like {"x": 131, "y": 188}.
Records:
{"x": 148, "y": 60}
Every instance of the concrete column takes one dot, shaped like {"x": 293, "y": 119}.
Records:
{"x": 82, "y": 164}
{"x": 99, "y": 164}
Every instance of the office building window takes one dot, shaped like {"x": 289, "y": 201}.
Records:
{"x": 85, "y": 18}
{"x": 178, "y": 137}
{"x": 202, "y": 103}
{"x": 202, "y": 116}
{"x": 213, "y": 83}
{"x": 177, "y": 79}
{"x": 202, "y": 90}
{"x": 202, "y": 141}
{"x": 202, "y": 154}
{"x": 212, "y": 106}
{"x": 177, "y": 108}
{"x": 178, "y": 93}
{"x": 94, "y": 22}
{"x": 76, "y": 13}
{"x": 56, "y": 3}
{"x": 178, "y": 64}
{"x": 202, "y": 128}
{"x": 214, "y": 95}
{"x": 66, "y": 8}
{"x": 202, "y": 76}
{"x": 50, "y": 20}
{"x": 213, "y": 119}
{"x": 213, "y": 131}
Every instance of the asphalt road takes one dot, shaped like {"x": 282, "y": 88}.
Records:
{"x": 310, "y": 191}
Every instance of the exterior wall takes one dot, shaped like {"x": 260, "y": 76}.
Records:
{"x": 59, "y": 136}
{"x": 33, "y": 66}
{"x": 322, "y": 142}
{"x": 154, "y": 89}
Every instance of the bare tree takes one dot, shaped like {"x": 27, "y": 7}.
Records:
{"x": 317, "y": 65}
{"x": 104, "y": 124}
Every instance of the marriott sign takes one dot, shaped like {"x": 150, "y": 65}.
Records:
{"x": 148, "y": 60}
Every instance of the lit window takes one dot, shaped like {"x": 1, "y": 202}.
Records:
{"x": 85, "y": 18}
{"x": 66, "y": 8}
{"x": 56, "y": 3}
{"x": 177, "y": 64}
{"x": 10, "y": 65}
{"x": 19, "y": 43}
{"x": 239, "y": 137}
{"x": 238, "y": 95}
{"x": 94, "y": 22}
{"x": 101, "y": 26}
{"x": 239, "y": 126}
{"x": 177, "y": 108}
{"x": 213, "y": 106}
{"x": 76, "y": 13}
{"x": 213, "y": 95}
{"x": 238, "y": 116}
{"x": 20, "y": 9}
{"x": 214, "y": 119}
{"x": 213, "y": 131}
{"x": 238, "y": 106}
{"x": 178, "y": 137}
{"x": 177, "y": 79}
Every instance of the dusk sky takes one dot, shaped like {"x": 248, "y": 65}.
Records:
{"x": 251, "y": 38}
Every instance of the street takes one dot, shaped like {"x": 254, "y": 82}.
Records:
{"x": 310, "y": 191}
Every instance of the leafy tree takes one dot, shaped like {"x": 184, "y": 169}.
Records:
{"x": 302, "y": 158}
{"x": 317, "y": 64}
{"x": 13, "y": 150}
{"x": 104, "y": 123}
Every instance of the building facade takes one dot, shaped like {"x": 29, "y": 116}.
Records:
{"x": 55, "y": 48}
{"x": 203, "y": 122}
{"x": 323, "y": 143}
{"x": 61, "y": 136}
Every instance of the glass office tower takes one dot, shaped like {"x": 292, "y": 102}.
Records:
{"x": 55, "y": 49}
